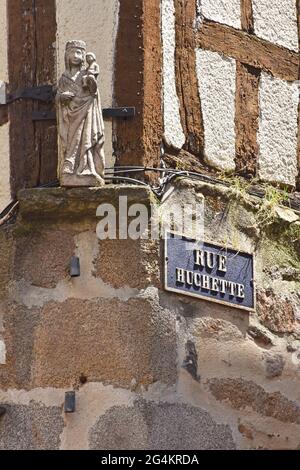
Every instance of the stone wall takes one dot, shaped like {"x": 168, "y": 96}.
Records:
{"x": 151, "y": 369}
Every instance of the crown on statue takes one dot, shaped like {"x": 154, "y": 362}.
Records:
{"x": 76, "y": 44}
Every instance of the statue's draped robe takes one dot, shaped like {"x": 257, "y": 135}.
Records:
{"x": 81, "y": 128}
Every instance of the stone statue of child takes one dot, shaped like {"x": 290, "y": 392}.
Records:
{"x": 92, "y": 70}
{"x": 93, "y": 67}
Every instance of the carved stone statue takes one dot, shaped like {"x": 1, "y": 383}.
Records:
{"x": 80, "y": 121}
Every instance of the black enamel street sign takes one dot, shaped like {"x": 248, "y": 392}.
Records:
{"x": 210, "y": 272}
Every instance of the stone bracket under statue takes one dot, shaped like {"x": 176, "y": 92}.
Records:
{"x": 80, "y": 121}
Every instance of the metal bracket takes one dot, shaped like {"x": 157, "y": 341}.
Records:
{"x": 43, "y": 116}
{"x": 70, "y": 402}
{"x": 46, "y": 94}
{"x": 107, "y": 113}
{"x": 126, "y": 112}
{"x": 43, "y": 93}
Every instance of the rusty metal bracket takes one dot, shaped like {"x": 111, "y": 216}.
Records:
{"x": 107, "y": 114}
{"x": 43, "y": 116}
{"x": 125, "y": 112}
{"x": 44, "y": 93}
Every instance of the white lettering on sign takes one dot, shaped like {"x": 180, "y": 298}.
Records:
{"x": 204, "y": 270}
{"x": 209, "y": 283}
{"x": 207, "y": 259}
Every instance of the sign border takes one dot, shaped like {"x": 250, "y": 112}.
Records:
{"x": 199, "y": 296}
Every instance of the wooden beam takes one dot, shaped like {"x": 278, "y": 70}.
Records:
{"x": 247, "y": 19}
{"x": 138, "y": 82}
{"x": 24, "y": 164}
{"x": 248, "y": 49}
{"x": 247, "y": 105}
{"x": 152, "y": 105}
{"x": 186, "y": 77}
{"x": 247, "y": 119}
{"x": 46, "y": 131}
{"x": 3, "y": 114}
{"x": 31, "y": 61}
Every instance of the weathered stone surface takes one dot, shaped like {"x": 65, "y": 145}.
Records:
{"x": 261, "y": 337}
{"x": 293, "y": 345}
{"x": 72, "y": 204}
{"x": 286, "y": 214}
{"x": 243, "y": 218}
{"x": 121, "y": 428}
{"x": 159, "y": 426}
{"x": 245, "y": 430}
{"x": 19, "y": 329}
{"x": 104, "y": 340}
{"x": 43, "y": 258}
{"x": 31, "y": 427}
{"x": 290, "y": 274}
{"x": 180, "y": 426}
{"x": 134, "y": 263}
{"x": 276, "y": 313}
{"x": 274, "y": 365}
{"x": 216, "y": 328}
{"x": 241, "y": 394}
{"x": 7, "y": 255}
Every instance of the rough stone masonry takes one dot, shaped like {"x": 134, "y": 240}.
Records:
{"x": 151, "y": 369}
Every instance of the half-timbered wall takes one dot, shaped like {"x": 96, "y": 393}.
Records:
{"x": 218, "y": 78}
{"x": 241, "y": 110}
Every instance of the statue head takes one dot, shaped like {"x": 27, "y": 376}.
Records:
{"x": 75, "y": 54}
{"x": 90, "y": 57}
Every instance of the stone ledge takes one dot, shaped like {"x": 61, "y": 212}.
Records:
{"x": 55, "y": 203}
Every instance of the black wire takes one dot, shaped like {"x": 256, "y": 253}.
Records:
{"x": 114, "y": 174}
{"x": 124, "y": 178}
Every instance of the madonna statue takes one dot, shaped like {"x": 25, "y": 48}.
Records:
{"x": 80, "y": 121}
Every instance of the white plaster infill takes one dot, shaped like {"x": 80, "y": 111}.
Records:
{"x": 217, "y": 84}
{"x": 276, "y": 21}
{"x": 222, "y": 11}
{"x": 278, "y": 130}
{"x": 173, "y": 132}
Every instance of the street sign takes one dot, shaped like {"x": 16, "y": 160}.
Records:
{"x": 209, "y": 271}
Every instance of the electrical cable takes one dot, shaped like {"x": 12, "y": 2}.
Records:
{"x": 120, "y": 174}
